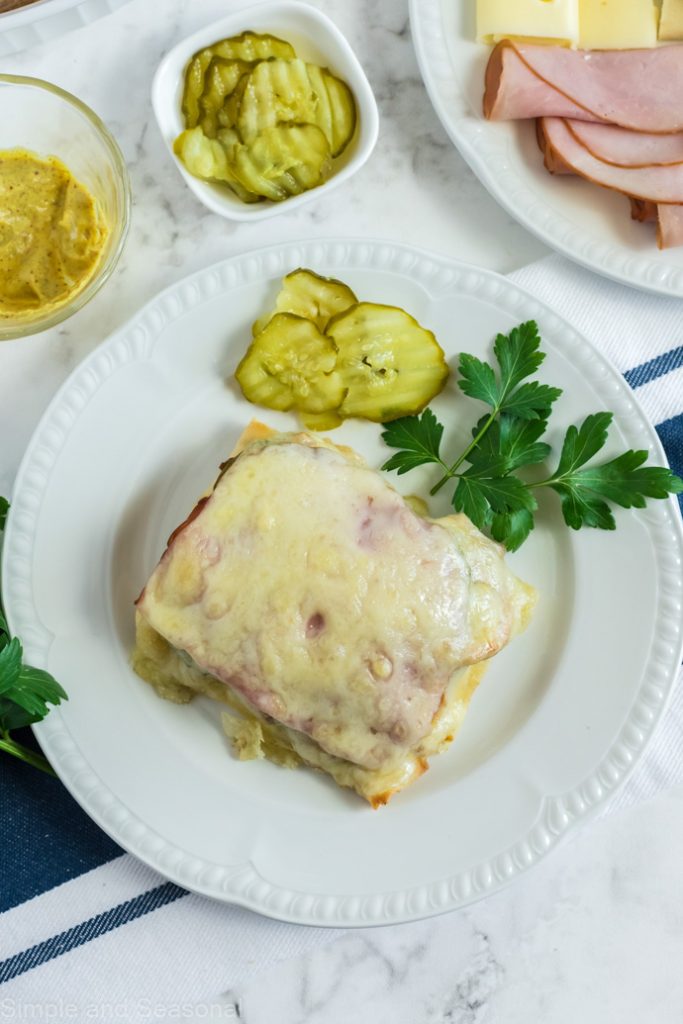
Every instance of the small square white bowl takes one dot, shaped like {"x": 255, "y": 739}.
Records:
{"x": 317, "y": 40}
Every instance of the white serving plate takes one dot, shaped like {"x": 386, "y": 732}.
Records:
{"x": 48, "y": 19}
{"x": 316, "y": 39}
{"x": 590, "y": 225}
{"x": 562, "y": 716}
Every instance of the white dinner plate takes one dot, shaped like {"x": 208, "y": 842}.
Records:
{"x": 562, "y": 715}
{"x": 48, "y": 19}
{"x": 590, "y": 225}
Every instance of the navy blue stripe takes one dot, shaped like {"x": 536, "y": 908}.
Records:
{"x": 46, "y": 838}
{"x": 671, "y": 435}
{"x": 90, "y": 929}
{"x": 654, "y": 368}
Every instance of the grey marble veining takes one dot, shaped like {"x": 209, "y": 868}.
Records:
{"x": 594, "y": 934}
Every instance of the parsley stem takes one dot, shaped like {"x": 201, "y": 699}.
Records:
{"x": 451, "y": 472}
{"x": 11, "y": 746}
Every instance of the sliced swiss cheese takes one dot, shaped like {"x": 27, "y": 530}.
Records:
{"x": 552, "y": 21}
{"x": 617, "y": 24}
{"x": 671, "y": 20}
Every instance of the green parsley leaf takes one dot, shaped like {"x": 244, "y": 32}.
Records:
{"x": 478, "y": 380}
{"x": 518, "y": 357}
{"x": 512, "y": 528}
{"x": 4, "y": 632}
{"x": 419, "y": 437}
{"x": 518, "y": 353}
{"x": 30, "y": 688}
{"x": 624, "y": 480}
{"x": 509, "y": 443}
{"x": 482, "y": 499}
{"x": 531, "y": 401}
{"x": 10, "y": 666}
{"x": 581, "y": 444}
{"x": 508, "y": 439}
{"x": 25, "y": 692}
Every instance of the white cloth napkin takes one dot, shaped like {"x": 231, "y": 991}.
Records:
{"x": 118, "y": 942}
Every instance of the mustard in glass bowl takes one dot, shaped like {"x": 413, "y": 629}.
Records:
{"x": 64, "y": 205}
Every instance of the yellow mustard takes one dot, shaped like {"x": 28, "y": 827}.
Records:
{"x": 52, "y": 234}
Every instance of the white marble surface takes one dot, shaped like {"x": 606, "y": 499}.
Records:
{"x": 596, "y": 932}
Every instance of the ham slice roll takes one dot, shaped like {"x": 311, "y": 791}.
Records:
{"x": 668, "y": 217}
{"x": 637, "y": 89}
{"x": 657, "y": 183}
{"x": 669, "y": 225}
{"x": 624, "y": 148}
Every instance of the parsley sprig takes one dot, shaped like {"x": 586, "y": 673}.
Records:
{"x": 508, "y": 439}
{"x": 25, "y": 692}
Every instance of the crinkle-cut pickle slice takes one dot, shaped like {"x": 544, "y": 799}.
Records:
{"x": 210, "y": 160}
{"x": 390, "y": 364}
{"x": 281, "y": 91}
{"x": 220, "y": 84}
{"x": 228, "y": 113}
{"x": 308, "y": 294}
{"x": 283, "y": 161}
{"x": 249, "y": 46}
{"x": 277, "y": 91}
{"x": 321, "y": 420}
{"x": 291, "y": 365}
{"x": 335, "y": 109}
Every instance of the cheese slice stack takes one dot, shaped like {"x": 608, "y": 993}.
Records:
{"x": 553, "y": 21}
{"x": 671, "y": 20}
{"x": 617, "y": 24}
{"x": 588, "y": 24}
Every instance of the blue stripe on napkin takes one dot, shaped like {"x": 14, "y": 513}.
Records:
{"x": 654, "y": 368}
{"x": 46, "y": 837}
{"x": 90, "y": 929}
{"x": 670, "y": 431}
{"x": 671, "y": 435}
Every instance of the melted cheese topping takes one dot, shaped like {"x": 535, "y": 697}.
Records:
{"x": 308, "y": 586}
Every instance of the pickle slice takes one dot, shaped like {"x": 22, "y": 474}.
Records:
{"x": 249, "y": 46}
{"x": 308, "y": 294}
{"x": 221, "y": 81}
{"x": 335, "y": 109}
{"x": 228, "y": 113}
{"x": 390, "y": 364}
{"x": 321, "y": 420}
{"x": 276, "y": 91}
{"x": 283, "y": 161}
{"x": 291, "y": 364}
{"x": 210, "y": 159}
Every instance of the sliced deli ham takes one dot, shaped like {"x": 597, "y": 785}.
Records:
{"x": 669, "y": 219}
{"x": 513, "y": 90}
{"x": 637, "y": 89}
{"x": 643, "y": 210}
{"x": 669, "y": 225}
{"x": 659, "y": 184}
{"x": 667, "y": 216}
{"x": 625, "y": 148}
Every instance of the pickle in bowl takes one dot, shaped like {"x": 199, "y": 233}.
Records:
{"x": 288, "y": 119}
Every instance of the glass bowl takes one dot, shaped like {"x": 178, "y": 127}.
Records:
{"x": 48, "y": 121}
